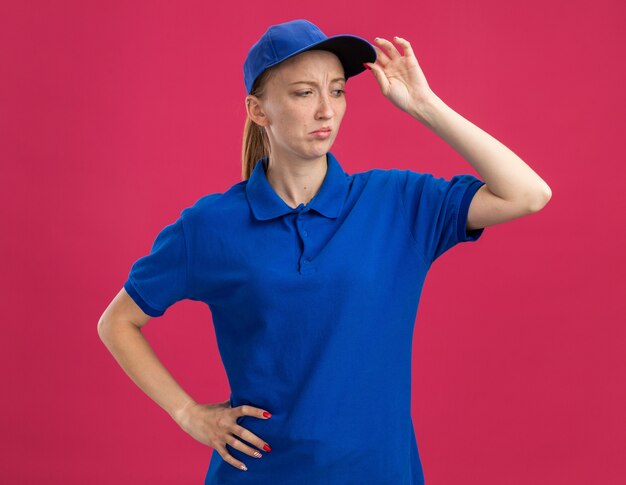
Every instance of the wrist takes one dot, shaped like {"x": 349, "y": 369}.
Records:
{"x": 426, "y": 109}
{"x": 180, "y": 412}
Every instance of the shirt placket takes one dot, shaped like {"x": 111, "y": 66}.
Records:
{"x": 305, "y": 264}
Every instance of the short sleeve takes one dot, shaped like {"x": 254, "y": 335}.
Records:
{"x": 436, "y": 210}
{"x": 158, "y": 280}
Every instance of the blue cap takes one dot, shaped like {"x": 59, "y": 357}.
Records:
{"x": 285, "y": 40}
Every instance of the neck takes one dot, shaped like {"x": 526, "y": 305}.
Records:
{"x": 296, "y": 182}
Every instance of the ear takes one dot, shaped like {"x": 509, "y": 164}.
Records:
{"x": 255, "y": 110}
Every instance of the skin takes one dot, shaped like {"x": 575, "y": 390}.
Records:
{"x": 290, "y": 112}
{"x": 297, "y": 163}
{"x": 297, "y": 167}
{"x": 512, "y": 189}
{"x": 213, "y": 425}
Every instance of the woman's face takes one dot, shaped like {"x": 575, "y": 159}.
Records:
{"x": 304, "y": 94}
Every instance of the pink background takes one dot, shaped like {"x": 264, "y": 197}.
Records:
{"x": 117, "y": 115}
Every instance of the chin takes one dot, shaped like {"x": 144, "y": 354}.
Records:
{"x": 322, "y": 151}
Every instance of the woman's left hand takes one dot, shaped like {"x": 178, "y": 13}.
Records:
{"x": 400, "y": 77}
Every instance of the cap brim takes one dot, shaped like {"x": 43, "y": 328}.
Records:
{"x": 351, "y": 50}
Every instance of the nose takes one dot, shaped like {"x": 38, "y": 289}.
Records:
{"x": 325, "y": 108}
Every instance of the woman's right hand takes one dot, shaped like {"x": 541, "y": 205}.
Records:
{"x": 216, "y": 425}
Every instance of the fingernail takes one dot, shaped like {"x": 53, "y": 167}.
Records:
{"x": 368, "y": 67}
{"x": 244, "y": 467}
{"x": 257, "y": 454}
{"x": 266, "y": 414}
{"x": 267, "y": 448}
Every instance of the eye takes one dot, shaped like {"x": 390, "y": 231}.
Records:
{"x": 304, "y": 93}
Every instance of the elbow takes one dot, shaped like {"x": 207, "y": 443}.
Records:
{"x": 102, "y": 329}
{"x": 106, "y": 328}
{"x": 540, "y": 200}
{"x": 109, "y": 327}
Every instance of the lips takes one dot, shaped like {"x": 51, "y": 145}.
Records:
{"x": 322, "y": 130}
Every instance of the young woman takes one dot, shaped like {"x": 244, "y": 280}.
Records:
{"x": 312, "y": 275}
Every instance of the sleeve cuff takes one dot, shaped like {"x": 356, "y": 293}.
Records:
{"x": 463, "y": 234}
{"x": 139, "y": 300}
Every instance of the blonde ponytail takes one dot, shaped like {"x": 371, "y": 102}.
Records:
{"x": 255, "y": 141}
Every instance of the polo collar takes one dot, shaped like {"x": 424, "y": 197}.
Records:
{"x": 267, "y": 204}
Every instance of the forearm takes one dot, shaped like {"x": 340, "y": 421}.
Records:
{"x": 135, "y": 355}
{"x": 505, "y": 174}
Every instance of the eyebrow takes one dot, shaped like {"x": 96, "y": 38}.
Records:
{"x": 312, "y": 83}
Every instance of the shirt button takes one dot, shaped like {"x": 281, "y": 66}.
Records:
{"x": 304, "y": 233}
{"x": 306, "y": 261}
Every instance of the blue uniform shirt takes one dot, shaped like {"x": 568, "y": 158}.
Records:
{"x": 313, "y": 309}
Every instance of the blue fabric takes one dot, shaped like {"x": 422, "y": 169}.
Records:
{"x": 314, "y": 309}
